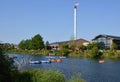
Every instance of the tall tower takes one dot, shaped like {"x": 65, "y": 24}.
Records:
{"x": 75, "y": 20}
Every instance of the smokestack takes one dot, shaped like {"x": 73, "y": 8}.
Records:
{"x": 75, "y": 20}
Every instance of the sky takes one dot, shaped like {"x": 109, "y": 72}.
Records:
{"x": 53, "y": 19}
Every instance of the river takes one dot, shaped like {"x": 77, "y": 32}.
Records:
{"x": 90, "y": 70}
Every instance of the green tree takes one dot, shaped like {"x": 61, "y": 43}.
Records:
{"x": 37, "y": 42}
{"x": 28, "y": 44}
{"x": 82, "y": 48}
{"x": 113, "y": 47}
{"x": 7, "y": 69}
{"x": 91, "y": 45}
{"x": 64, "y": 49}
{"x": 22, "y": 45}
{"x": 65, "y": 46}
{"x": 47, "y": 45}
{"x": 95, "y": 53}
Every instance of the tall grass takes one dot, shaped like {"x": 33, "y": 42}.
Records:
{"x": 76, "y": 78}
{"x": 44, "y": 76}
{"x": 40, "y": 76}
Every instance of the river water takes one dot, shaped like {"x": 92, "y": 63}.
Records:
{"x": 90, "y": 70}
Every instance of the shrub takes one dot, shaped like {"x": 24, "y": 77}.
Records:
{"x": 95, "y": 53}
{"x": 7, "y": 69}
{"x": 40, "y": 76}
{"x": 52, "y": 76}
{"x": 76, "y": 78}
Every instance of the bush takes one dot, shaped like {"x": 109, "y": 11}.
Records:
{"x": 40, "y": 76}
{"x": 45, "y": 76}
{"x": 52, "y": 76}
{"x": 7, "y": 69}
{"x": 95, "y": 53}
{"x": 76, "y": 78}
{"x": 29, "y": 76}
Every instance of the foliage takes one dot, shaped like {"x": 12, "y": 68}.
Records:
{"x": 65, "y": 46}
{"x": 40, "y": 76}
{"x": 53, "y": 76}
{"x": 34, "y": 52}
{"x": 72, "y": 47}
{"x": 47, "y": 45}
{"x": 64, "y": 49}
{"x": 29, "y": 76}
{"x": 112, "y": 53}
{"x": 91, "y": 45}
{"x": 64, "y": 52}
{"x": 6, "y": 46}
{"x": 45, "y": 76}
{"x": 95, "y": 53}
{"x": 25, "y": 44}
{"x": 76, "y": 78}
{"x": 82, "y": 48}
{"x": 7, "y": 69}
{"x": 35, "y": 43}
{"x": 113, "y": 47}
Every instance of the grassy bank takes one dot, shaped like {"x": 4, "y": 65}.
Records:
{"x": 44, "y": 76}
{"x": 87, "y": 53}
{"x": 36, "y": 52}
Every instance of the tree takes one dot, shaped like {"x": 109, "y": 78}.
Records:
{"x": 82, "y": 48}
{"x": 22, "y": 45}
{"x": 7, "y": 69}
{"x": 65, "y": 46}
{"x": 47, "y": 45}
{"x": 91, "y": 45}
{"x": 37, "y": 42}
{"x": 94, "y": 51}
{"x": 113, "y": 47}
{"x": 64, "y": 49}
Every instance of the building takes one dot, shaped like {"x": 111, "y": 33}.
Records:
{"x": 56, "y": 45}
{"x": 107, "y": 40}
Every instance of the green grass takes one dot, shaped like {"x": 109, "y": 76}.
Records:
{"x": 44, "y": 76}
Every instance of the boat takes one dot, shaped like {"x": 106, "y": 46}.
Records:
{"x": 35, "y": 62}
{"x": 45, "y": 61}
{"x": 101, "y": 61}
{"x": 39, "y": 62}
{"x": 50, "y": 57}
{"x": 58, "y": 60}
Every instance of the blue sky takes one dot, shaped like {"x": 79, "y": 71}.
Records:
{"x": 53, "y": 19}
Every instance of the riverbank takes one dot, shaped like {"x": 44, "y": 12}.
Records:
{"x": 34, "y": 52}
{"x": 88, "y": 54}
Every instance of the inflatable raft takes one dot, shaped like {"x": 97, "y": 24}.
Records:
{"x": 39, "y": 62}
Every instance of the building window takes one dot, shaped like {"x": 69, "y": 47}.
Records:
{"x": 106, "y": 41}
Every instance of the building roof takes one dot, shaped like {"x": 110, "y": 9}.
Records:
{"x": 78, "y": 40}
{"x": 108, "y": 36}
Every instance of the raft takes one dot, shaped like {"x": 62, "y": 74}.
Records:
{"x": 101, "y": 61}
{"x": 35, "y": 62}
{"x": 40, "y": 62}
